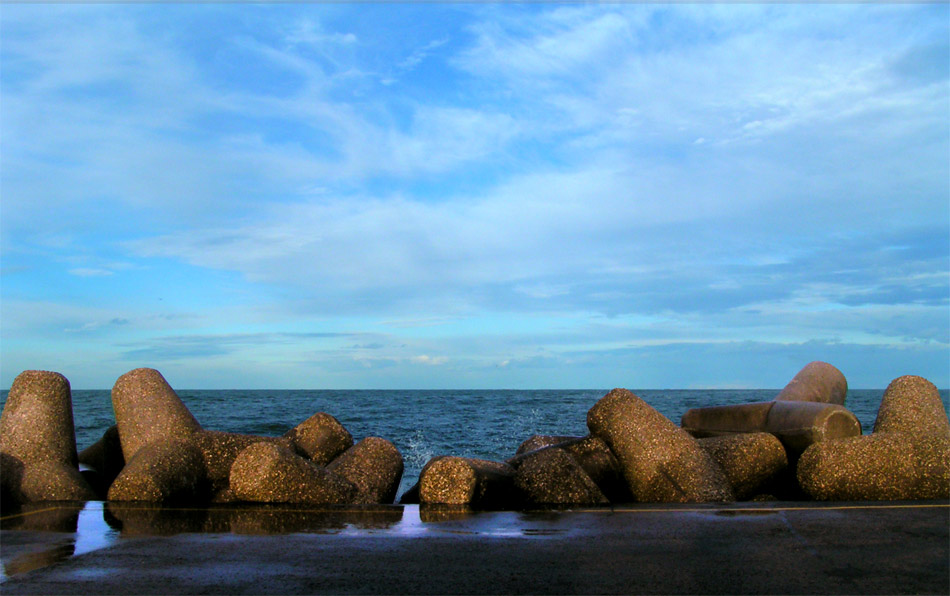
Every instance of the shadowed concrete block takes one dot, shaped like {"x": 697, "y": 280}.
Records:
{"x": 912, "y": 404}
{"x": 479, "y": 483}
{"x": 809, "y": 409}
{"x": 375, "y": 466}
{"x": 103, "y": 460}
{"x": 797, "y": 424}
{"x": 268, "y": 473}
{"x": 535, "y": 442}
{"x": 148, "y": 409}
{"x": 816, "y": 382}
{"x": 597, "y": 460}
{"x": 411, "y": 496}
{"x": 748, "y": 460}
{"x": 219, "y": 450}
{"x": 661, "y": 462}
{"x": 321, "y": 437}
{"x": 880, "y": 466}
{"x": 163, "y": 471}
{"x": 552, "y": 477}
{"x": 38, "y": 440}
{"x": 713, "y": 421}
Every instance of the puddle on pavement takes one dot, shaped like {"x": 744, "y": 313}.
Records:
{"x": 83, "y": 530}
{"x": 55, "y": 532}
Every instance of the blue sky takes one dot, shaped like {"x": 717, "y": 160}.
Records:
{"x": 475, "y": 195}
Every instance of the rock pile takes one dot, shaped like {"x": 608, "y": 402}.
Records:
{"x": 158, "y": 452}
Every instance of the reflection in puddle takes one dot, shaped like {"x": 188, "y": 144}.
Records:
{"x": 35, "y": 560}
{"x": 83, "y": 521}
{"x": 141, "y": 520}
{"x": 55, "y": 532}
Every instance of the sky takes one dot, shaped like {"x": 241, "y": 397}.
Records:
{"x": 475, "y": 195}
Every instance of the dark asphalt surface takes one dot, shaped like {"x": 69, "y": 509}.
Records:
{"x": 750, "y": 548}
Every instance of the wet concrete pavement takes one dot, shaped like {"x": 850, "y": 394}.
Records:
{"x": 763, "y": 548}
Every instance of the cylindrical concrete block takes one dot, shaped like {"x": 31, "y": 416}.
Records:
{"x": 164, "y": 471}
{"x": 597, "y": 460}
{"x": 748, "y": 460}
{"x": 880, "y": 466}
{"x": 799, "y": 424}
{"x": 54, "y": 481}
{"x": 552, "y": 477}
{"x": 535, "y": 442}
{"x": 37, "y": 420}
{"x": 375, "y": 466}
{"x": 220, "y": 449}
{"x": 147, "y": 409}
{"x": 479, "y": 483}
{"x": 816, "y": 382}
{"x": 38, "y": 442}
{"x": 268, "y": 473}
{"x": 321, "y": 438}
{"x": 713, "y": 421}
{"x": 912, "y": 404}
{"x": 661, "y": 462}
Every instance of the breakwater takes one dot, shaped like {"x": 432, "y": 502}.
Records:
{"x": 427, "y": 424}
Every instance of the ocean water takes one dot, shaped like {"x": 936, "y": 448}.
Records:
{"x": 488, "y": 424}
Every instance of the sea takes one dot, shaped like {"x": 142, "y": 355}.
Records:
{"x": 487, "y": 424}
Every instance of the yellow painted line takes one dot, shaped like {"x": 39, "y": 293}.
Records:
{"x": 620, "y": 509}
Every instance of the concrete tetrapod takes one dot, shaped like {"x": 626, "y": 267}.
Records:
{"x": 476, "y": 483}
{"x": 661, "y": 462}
{"x": 164, "y": 471}
{"x": 808, "y": 410}
{"x": 552, "y": 477}
{"x": 593, "y": 455}
{"x": 218, "y": 451}
{"x": 148, "y": 409}
{"x": 321, "y": 437}
{"x": 269, "y": 473}
{"x": 38, "y": 442}
{"x": 374, "y": 466}
{"x": 748, "y": 460}
{"x": 816, "y": 382}
{"x": 906, "y": 457}
{"x": 912, "y": 404}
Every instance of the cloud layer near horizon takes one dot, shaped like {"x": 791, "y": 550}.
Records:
{"x": 475, "y": 196}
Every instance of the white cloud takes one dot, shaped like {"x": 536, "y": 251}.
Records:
{"x": 89, "y": 272}
{"x": 429, "y": 360}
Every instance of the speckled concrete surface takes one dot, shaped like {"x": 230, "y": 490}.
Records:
{"x": 38, "y": 441}
{"x": 779, "y": 548}
{"x": 374, "y": 466}
{"x": 452, "y": 480}
{"x": 147, "y": 409}
{"x": 912, "y": 404}
{"x": 661, "y": 462}
{"x": 321, "y": 437}
{"x": 817, "y": 382}
{"x": 268, "y": 473}
{"x": 552, "y": 476}
{"x": 748, "y": 460}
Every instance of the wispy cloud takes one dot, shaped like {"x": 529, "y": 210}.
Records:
{"x": 554, "y": 187}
